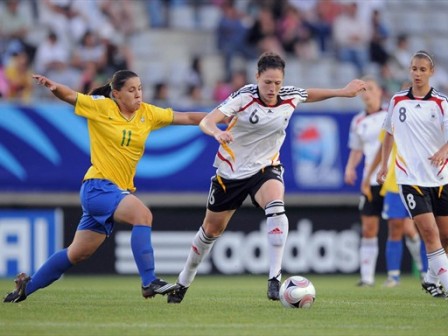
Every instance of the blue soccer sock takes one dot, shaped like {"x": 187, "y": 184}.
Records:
{"x": 424, "y": 257}
{"x": 143, "y": 253}
{"x": 394, "y": 253}
{"x": 49, "y": 272}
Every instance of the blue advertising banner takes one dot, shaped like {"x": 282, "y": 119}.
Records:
{"x": 46, "y": 148}
{"x": 28, "y": 237}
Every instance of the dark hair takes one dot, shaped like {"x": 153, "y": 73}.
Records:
{"x": 270, "y": 60}
{"x": 117, "y": 82}
{"x": 424, "y": 54}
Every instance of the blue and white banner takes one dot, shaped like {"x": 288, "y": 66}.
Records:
{"x": 46, "y": 148}
{"x": 28, "y": 237}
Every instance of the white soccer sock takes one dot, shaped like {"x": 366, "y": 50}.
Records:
{"x": 430, "y": 276}
{"x": 200, "y": 248}
{"x": 277, "y": 227}
{"x": 438, "y": 264}
{"x": 413, "y": 245}
{"x": 368, "y": 254}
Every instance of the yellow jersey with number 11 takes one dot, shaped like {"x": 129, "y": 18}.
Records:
{"x": 118, "y": 143}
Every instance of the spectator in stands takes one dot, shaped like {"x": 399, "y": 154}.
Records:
{"x": 64, "y": 19}
{"x": 222, "y": 89}
{"x": 119, "y": 124}
{"x": 161, "y": 96}
{"x": 194, "y": 97}
{"x": 120, "y": 14}
{"x": 322, "y": 21}
{"x": 89, "y": 50}
{"x": 194, "y": 75}
{"x": 231, "y": 36}
{"x": 19, "y": 78}
{"x": 389, "y": 82}
{"x": 296, "y": 35}
{"x": 157, "y": 11}
{"x": 118, "y": 55}
{"x": 14, "y": 28}
{"x": 377, "y": 49}
{"x": 263, "y": 34}
{"x": 89, "y": 57}
{"x": 351, "y": 37}
{"x": 51, "y": 54}
{"x": 400, "y": 58}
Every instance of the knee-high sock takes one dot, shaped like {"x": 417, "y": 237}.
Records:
{"x": 414, "y": 247}
{"x": 277, "y": 227}
{"x": 202, "y": 244}
{"x": 368, "y": 255}
{"x": 438, "y": 264}
{"x": 394, "y": 254}
{"x": 49, "y": 272}
{"x": 143, "y": 253}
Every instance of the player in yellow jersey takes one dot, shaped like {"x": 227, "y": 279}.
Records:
{"x": 399, "y": 224}
{"x": 119, "y": 124}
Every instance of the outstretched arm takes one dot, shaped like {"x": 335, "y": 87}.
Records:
{"x": 352, "y": 89}
{"x": 60, "y": 91}
{"x": 188, "y": 118}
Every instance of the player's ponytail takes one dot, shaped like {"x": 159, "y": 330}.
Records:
{"x": 118, "y": 80}
{"x": 104, "y": 90}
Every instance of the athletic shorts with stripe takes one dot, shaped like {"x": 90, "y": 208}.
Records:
{"x": 371, "y": 206}
{"x": 420, "y": 200}
{"x": 230, "y": 194}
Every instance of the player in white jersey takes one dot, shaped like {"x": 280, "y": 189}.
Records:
{"x": 364, "y": 142}
{"x": 417, "y": 121}
{"x": 248, "y": 163}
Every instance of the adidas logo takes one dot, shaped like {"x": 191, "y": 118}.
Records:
{"x": 441, "y": 271}
{"x": 270, "y": 111}
{"x": 195, "y": 249}
{"x": 275, "y": 231}
{"x": 418, "y": 106}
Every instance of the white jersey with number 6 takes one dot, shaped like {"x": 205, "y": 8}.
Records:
{"x": 420, "y": 129}
{"x": 258, "y": 130}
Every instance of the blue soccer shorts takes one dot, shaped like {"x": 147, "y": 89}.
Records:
{"x": 393, "y": 207}
{"x": 99, "y": 200}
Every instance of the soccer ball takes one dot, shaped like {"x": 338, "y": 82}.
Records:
{"x": 297, "y": 292}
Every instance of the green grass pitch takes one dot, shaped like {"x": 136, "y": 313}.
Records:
{"x": 222, "y": 305}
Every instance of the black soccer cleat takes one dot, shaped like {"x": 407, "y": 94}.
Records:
{"x": 158, "y": 286}
{"x": 434, "y": 290}
{"x": 18, "y": 294}
{"x": 273, "y": 289}
{"x": 178, "y": 295}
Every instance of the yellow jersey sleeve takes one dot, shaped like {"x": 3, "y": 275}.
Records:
{"x": 117, "y": 143}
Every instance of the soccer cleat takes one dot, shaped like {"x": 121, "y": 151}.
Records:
{"x": 178, "y": 295}
{"x": 364, "y": 284}
{"x": 434, "y": 290}
{"x": 158, "y": 286}
{"x": 391, "y": 282}
{"x": 18, "y": 294}
{"x": 273, "y": 289}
